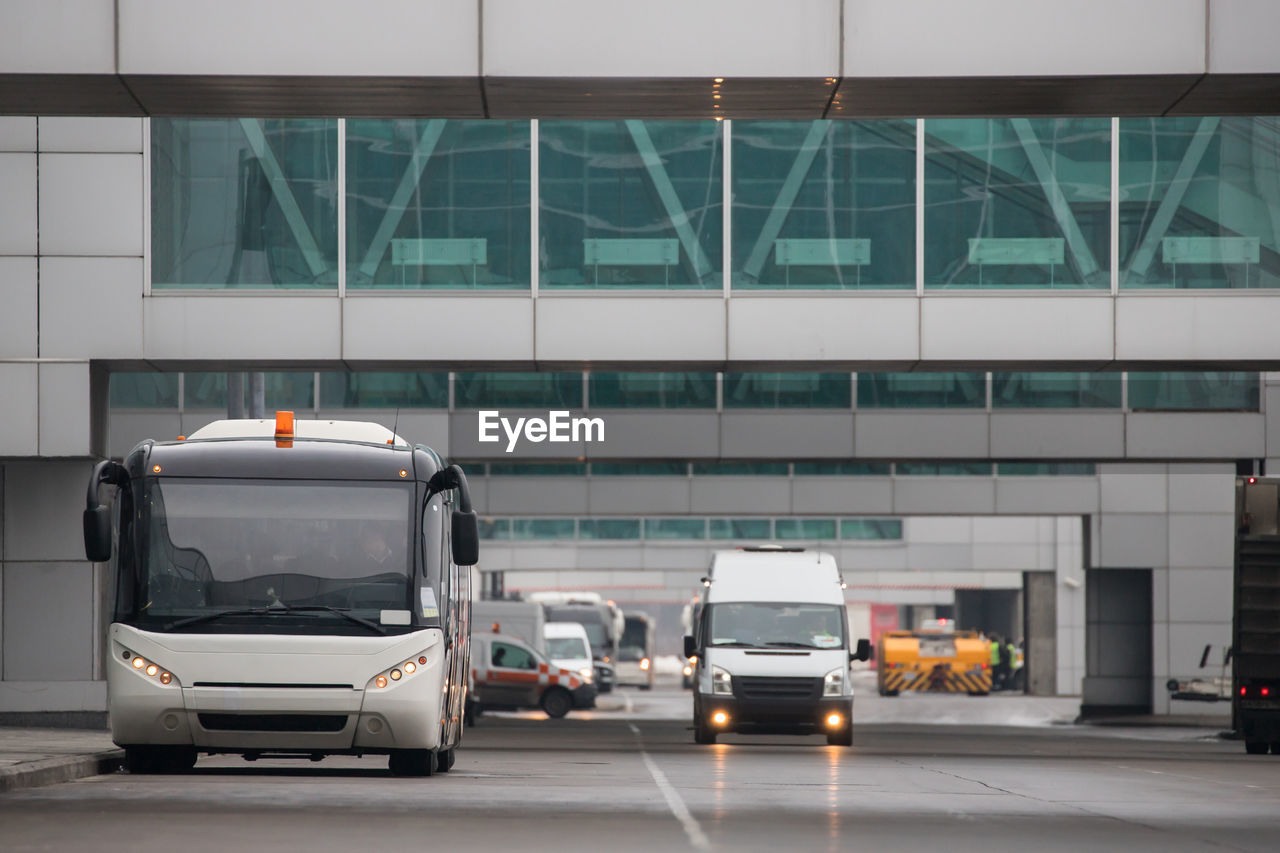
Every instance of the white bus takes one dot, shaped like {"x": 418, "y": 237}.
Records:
{"x": 285, "y": 592}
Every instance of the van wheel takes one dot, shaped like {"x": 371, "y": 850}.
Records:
{"x": 1256, "y": 747}
{"x": 843, "y": 737}
{"x": 159, "y": 759}
{"x": 556, "y": 702}
{"x": 445, "y": 759}
{"x": 702, "y": 733}
{"x": 411, "y": 762}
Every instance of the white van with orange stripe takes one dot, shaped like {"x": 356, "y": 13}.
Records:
{"x": 508, "y": 674}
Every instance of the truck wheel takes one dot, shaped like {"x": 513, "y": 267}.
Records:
{"x": 703, "y": 733}
{"x": 556, "y": 702}
{"x": 411, "y": 762}
{"x": 445, "y": 759}
{"x": 843, "y": 737}
{"x": 1256, "y": 747}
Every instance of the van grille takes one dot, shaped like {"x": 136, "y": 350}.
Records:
{"x": 273, "y": 722}
{"x": 767, "y": 687}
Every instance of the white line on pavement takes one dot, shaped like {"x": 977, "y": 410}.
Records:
{"x": 697, "y": 837}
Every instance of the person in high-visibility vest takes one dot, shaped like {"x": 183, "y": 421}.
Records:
{"x": 995, "y": 662}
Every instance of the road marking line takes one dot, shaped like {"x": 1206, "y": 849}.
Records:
{"x": 697, "y": 837}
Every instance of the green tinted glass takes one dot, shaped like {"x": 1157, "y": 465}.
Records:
{"x": 804, "y": 528}
{"x": 1198, "y": 202}
{"x": 653, "y": 390}
{"x": 639, "y": 469}
{"x": 144, "y": 390}
{"x": 841, "y": 469}
{"x": 787, "y": 390}
{"x": 630, "y": 204}
{"x": 494, "y": 528}
{"x": 530, "y": 390}
{"x": 294, "y": 391}
{"x": 1055, "y": 390}
{"x": 1017, "y": 202}
{"x": 1045, "y": 469}
{"x": 542, "y": 528}
{"x": 675, "y": 528}
{"x": 1194, "y": 391}
{"x": 437, "y": 204}
{"x": 739, "y": 469}
{"x": 384, "y": 390}
{"x": 248, "y": 203}
{"x": 740, "y": 528}
{"x": 537, "y": 469}
{"x": 824, "y": 204}
{"x": 922, "y": 390}
{"x": 943, "y": 469}
{"x": 870, "y": 528}
{"x": 608, "y": 528}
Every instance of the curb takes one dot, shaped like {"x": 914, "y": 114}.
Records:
{"x": 50, "y": 771}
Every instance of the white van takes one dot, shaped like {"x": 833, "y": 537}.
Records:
{"x": 568, "y": 646}
{"x": 773, "y": 646}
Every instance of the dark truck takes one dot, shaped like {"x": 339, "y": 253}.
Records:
{"x": 1255, "y": 685}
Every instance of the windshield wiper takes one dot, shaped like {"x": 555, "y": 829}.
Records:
{"x": 737, "y": 643}
{"x": 790, "y": 644}
{"x": 274, "y": 608}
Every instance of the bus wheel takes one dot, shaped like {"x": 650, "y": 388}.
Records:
{"x": 556, "y": 702}
{"x": 1275, "y": 747}
{"x": 159, "y": 759}
{"x": 1256, "y": 747}
{"x": 411, "y": 762}
{"x": 444, "y": 760}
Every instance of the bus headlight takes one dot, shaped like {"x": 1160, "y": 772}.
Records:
{"x": 721, "y": 682}
{"x": 833, "y": 683}
{"x": 644, "y": 664}
{"x": 147, "y": 668}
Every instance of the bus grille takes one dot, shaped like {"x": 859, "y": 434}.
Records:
{"x": 273, "y": 722}
{"x": 765, "y": 687}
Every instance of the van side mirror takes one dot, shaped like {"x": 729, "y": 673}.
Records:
{"x": 97, "y": 534}
{"x": 863, "y": 651}
{"x": 466, "y": 538}
{"x": 690, "y": 646}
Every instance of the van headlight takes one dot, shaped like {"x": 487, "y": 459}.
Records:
{"x": 721, "y": 682}
{"x": 586, "y": 675}
{"x": 833, "y": 683}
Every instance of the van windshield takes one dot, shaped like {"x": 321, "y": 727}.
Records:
{"x": 766, "y": 624}
{"x": 566, "y": 647}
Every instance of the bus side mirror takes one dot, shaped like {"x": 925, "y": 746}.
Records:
{"x": 97, "y": 534}
{"x": 466, "y": 538}
{"x": 690, "y": 646}
{"x": 863, "y": 651}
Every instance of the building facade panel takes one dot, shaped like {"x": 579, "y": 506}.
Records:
{"x": 91, "y": 204}
{"x": 80, "y": 135}
{"x": 764, "y": 434}
{"x": 64, "y": 409}
{"x": 828, "y": 329}
{"x": 948, "y": 435}
{"x": 32, "y": 652}
{"x": 995, "y": 329}
{"x": 19, "y": 417}
{"x": 19, "y": 323}
{"x": 1133, "y": 540}
{"x": 58, "y": 37}
{"x": 263, "y": 328}
{"x": 43, "y": 505}
{"x": 440, "y": 329}
{"x": 17, "y": 133}
{"x": 18, "y": 204}
{"x": 1095, "y": 435}
{"x": 1188, "y": 435}
{"x": 91, "y": 308}
{"x": 621, "y": 329}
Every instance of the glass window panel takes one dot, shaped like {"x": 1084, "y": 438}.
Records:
{"x": 922, "y": 390}
{"x": 740, "y": 528}
{"x": 870, "y": 528}
{"x": 529, "y": 390}
{"x": 542, "y": 528}
{"x": 608, "y": 528}
{"x": 1199, "y": 206}
{"x": 804, "y": 528}
{"x": 144, "y": 390}
{"x": 1215, "y": 391}
{"x": 1055, "y": 390}
{"x": 294, "y": 391}
{"x": 384, "y": 390}
{"x": 787, "y": 390}
{"x": 639, "y": 469}
{"x": 437, "y": 203}
{"x": 472, "y": 468}
{"x": 1045, "y": 469}
{"x": 824, "y": 204}
{"x": 244, "y": 203}
{"x": 1017, "y": 202}
{"x": 537, "y": 469}
{"x": 653, "y": 390}
{"x": 494, "y": 528}
{"x": 739, "y": 469}
{"x": 630, "y": 204}
{"x": 943, "y": 469}
{"x": 841, "y": 469}
{"x": 675, "y": 528}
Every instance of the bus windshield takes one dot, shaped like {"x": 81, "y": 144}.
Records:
{"x": 210, "y": 545}
{"x": 806, "y": 626}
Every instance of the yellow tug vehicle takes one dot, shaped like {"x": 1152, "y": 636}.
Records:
{"x": 926, "y": 661}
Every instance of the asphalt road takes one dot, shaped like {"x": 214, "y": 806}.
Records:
{"x": 622, "y": 783}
